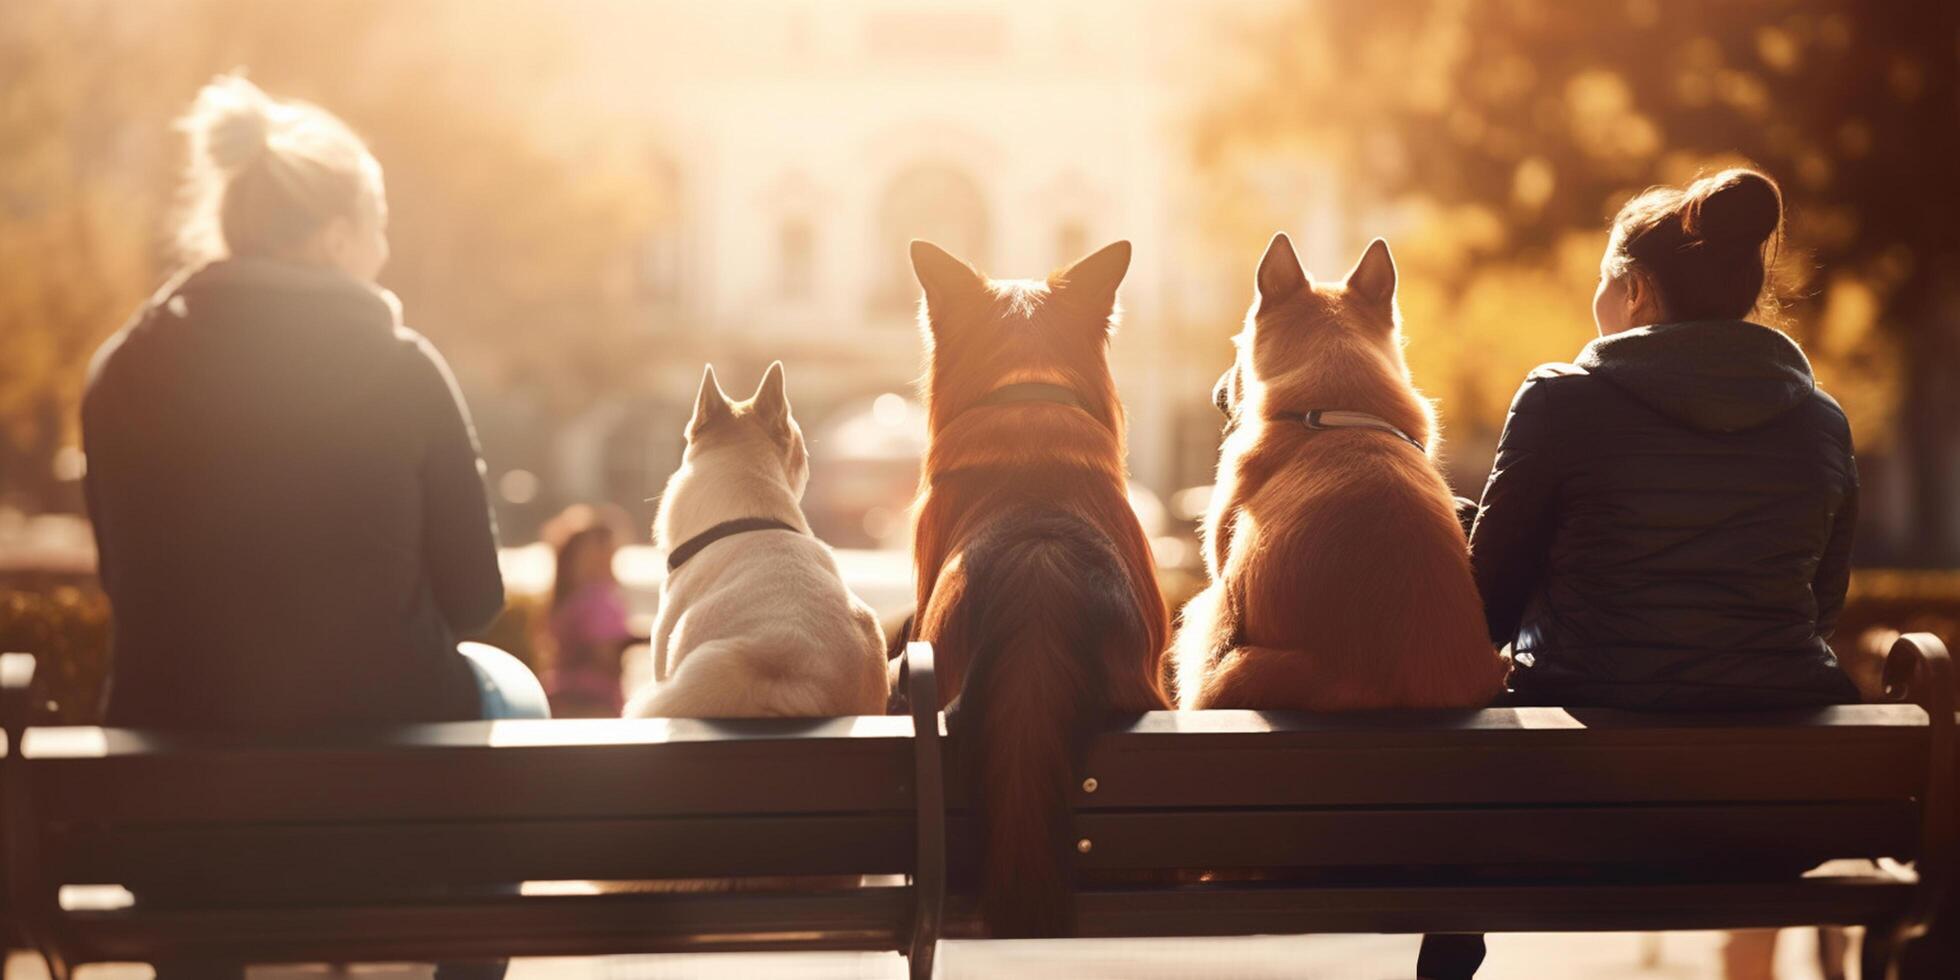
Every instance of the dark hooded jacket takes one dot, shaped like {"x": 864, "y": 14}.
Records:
{"x": 289, "y": 506}
{"x": 1668, "y": 524}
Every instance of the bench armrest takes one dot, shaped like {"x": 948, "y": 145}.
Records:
{"x": 16, "y": 681}
{"x": 24, "y": 903}
{"x": 929, "y": 789}
{"x": 1919, "y": 671}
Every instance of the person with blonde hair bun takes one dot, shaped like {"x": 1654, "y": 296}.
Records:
{"x": 286, "y": 489}
{"x": 280, "y": 179}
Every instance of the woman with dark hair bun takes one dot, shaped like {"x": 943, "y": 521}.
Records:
{"x": 1668, "y": 521}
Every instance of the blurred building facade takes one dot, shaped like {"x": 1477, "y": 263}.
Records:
{"x": 795, "y": 148}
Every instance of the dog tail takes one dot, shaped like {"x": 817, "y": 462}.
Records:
{"x": 1049, "y": 618}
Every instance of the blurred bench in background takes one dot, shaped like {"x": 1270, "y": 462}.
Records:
{"x": 390, "y": 845}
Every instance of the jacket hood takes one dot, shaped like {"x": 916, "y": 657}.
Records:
{"x": 307, "y": 331}
{"x": 1714, "y": 375}
{"x": 248, "y": 281}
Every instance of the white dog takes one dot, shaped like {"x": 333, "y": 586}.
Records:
{"x": 755, "y": 619}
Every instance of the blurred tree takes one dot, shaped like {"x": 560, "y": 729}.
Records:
{"x": 1537, "y": 118}
{"x": 511, "y": 250}
{"x": 78, "y": 227}
{"x": 514, "y": 255}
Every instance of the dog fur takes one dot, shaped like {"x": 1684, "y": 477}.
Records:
{"x": 1035, "y": 580}
{"x": 758, "y": 624}
{"x": 1340, "y": 579}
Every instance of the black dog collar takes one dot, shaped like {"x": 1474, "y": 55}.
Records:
{"x": 726, "y": 529}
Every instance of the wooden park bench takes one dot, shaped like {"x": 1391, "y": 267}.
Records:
{"x": 1500, "y": 820}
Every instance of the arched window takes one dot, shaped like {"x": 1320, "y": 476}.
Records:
{"x": 938, "y": 203}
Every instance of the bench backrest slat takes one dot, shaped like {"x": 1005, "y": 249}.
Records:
{"x": 1709, "y": 838}
{"x": 1506, "y": 755}
{"x": 330, "y": 856}
{"x": 479, "y": 771}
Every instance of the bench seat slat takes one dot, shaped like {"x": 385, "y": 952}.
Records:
{"x": 1793, "y": 835}
{"x": 1389, "y": 727}
{"x": 329, "y": 856}
{"x": 859, "y": 919}
{"x": 1251, "y": 910}
{"x": 1142, "y": 776}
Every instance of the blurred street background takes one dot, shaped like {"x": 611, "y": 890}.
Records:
{"x": 592, "y": 198}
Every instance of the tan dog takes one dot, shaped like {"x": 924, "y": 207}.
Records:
{"x": 1340, "y": 579}
{"x": 755, "y": 619}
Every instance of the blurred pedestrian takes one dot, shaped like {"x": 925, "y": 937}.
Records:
{"x": 586, "y": 631}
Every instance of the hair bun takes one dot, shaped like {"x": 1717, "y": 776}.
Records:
{"x": 1736, "y": 206}
{"x": 232, "y": 122}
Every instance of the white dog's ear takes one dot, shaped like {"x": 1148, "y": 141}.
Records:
{"x": 710, "y": 405}
{"x": 1280, "y": 275}
{"x": 772, "y": 397}
{"x": 1095, "y": 277}
{"x": 1373, "y": 278}
{"x": 947, "y": 280}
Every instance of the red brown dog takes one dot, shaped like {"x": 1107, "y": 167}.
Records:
{"x": 1340, "y": 578}
{"x": 1035, "y": 581}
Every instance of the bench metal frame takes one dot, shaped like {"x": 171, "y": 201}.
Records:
{"x": 1302, "y": 823}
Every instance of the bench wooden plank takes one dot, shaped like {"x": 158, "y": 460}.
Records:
{"x": 1253, "y": 910}
{"x": 1393, "y": 727}
{"x": 476, "y": 770}
{"x": 862, "y": 918}
{"x": 493, "y": 926}
{"x": 530, "y": 770}
{"x": 1794, "y": 835}
{"x": 1505, "y": 755}
{"x": 334, "y": 855}
{"x": 330, "y": 856}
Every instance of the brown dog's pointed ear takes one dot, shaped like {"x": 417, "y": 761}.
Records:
{"x": 710, "y": 405}
{"x": 947, "y": 280}
{"x": 1280, "y": 275}
{"x": 1096, "y": 276}
{"x": 772, "y": 397}
{"x": 1373, "y": 278}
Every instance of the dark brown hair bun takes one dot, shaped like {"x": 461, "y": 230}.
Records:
{"x": 1735, "y": 206}
{"x": 1706, "y": 247}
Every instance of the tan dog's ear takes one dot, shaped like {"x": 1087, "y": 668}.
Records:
{"x": 947, "y": 281}
{"x": 1373, "y": 278}
{"x": 710, "y": 405}
{"x": 1095, "y": 277}
{"x": 772, "y": 398}
{"x": 1280, "y": 275}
